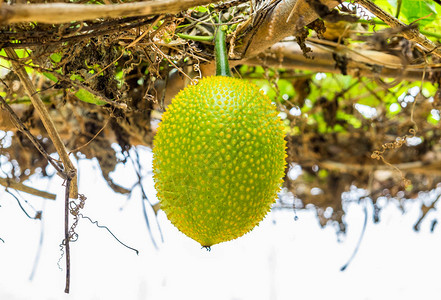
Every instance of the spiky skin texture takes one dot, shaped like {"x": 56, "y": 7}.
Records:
{"x": 218, "y": 159}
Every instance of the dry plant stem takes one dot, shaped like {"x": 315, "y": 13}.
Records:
{"x": 119, "y": 105}
{"x": 91, "y": 140}
{"x": 66, "y": 234}
{"x": 366, "y": 63}
{"x": 279, "y": 21}
{"x": 10, "y": 183}
{"x": 45, "y": 118}
{"x": 412, "y": 34}
{"x": 57, "y": 13}
{"x": 425, "y": 209}
{"x": 20, "y": 126}
{"x": 418, "y": 167}
{"x": 146, "y": 32}
{"x": 93, "y": 30}
{"x": 171, "y": 62}
{"x": 78, "y": 85}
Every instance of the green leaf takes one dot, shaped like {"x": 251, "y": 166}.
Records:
{"x": 56, "y": 57}
{"x": 88, "y": 97}
{"x": 429, "y": 90}
{"x": 201, "y": 9}
{"x": 285, "y": 87}
{"x": 371, "y": 101}
{"x": 419, "y": 9}
{"x": 266, "y": 87}
{"x": 356, "y": 123}
{"x": 21, "y": 53}
{"x": 50, "y": 77}
{"x": 432, "y": 119}
{"x": 322, "y": 173}
{"x": 76, "y": 77}
{"x": 339, "y": 128}
{"x": 393, "y": 109}
{"x": 259, "y": 70}
{"x": 388, "y": 5}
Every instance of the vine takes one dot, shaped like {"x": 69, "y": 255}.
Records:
{"x": 398, "y": 143}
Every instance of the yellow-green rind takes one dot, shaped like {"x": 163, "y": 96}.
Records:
{"x": 218, "y": 159}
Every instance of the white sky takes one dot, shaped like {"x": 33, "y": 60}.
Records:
{"x": 280, "y": 259}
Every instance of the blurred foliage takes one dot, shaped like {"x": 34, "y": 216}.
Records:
{"x": 111, "y": 86}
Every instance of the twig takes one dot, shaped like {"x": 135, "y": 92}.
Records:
{"x": 9, "y": 183}
{"x": 38, "y": 254}
{"x": 91, "y": 140}
{"x": 361, "y": 63}
{"x": 75, "y": 83}
{"x": 155, "y": 48}
{"x": 359, "y": 239}
{"x": 57, "y": 13}
{"x": 66, "y": 234}
{"x": 74, "y": 209}
{"x": 363, "y": 230}
{"x": 417, "y": 167}
{"x": 50, "y": 37}
{"x": 146, "y": 32}
{"x": 424, "y": 210}
{"x": 80, "y": 85}
{"x": 45, "y": 118}
{"x": 109, "y": 231}
{"x": 137, "y": 168}
{"x": 412, "y": 34}
{"x": 19, "y": 204}
{"x": 20, "y": 126}
{"x": 377, "y": 22}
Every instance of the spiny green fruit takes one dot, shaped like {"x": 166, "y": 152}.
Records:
{"x": 218, "y": 159}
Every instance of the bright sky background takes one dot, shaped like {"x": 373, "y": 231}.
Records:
{"x": 280, "y": 259}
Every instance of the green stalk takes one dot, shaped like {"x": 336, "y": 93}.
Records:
{"x": 378, "y": 22}
{"x": 220, "y": 53}
{"x": 195, "y": 37}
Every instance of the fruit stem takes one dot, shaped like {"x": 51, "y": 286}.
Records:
{"x": 220, "y": 52}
